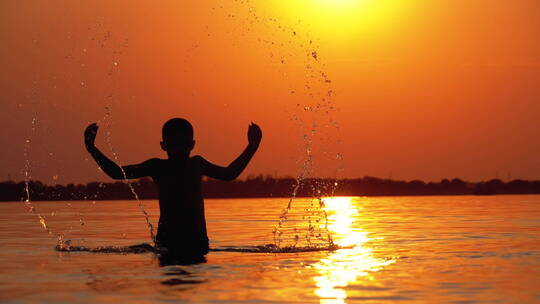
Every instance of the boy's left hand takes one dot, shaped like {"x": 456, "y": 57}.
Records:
{"x": 90, "y": 135}
{"x": 254, "y": 135}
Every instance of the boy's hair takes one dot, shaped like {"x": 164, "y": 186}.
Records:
{"x": 176, "y": 128}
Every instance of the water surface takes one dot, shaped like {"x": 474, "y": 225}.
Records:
{"x": 454, "y": 249}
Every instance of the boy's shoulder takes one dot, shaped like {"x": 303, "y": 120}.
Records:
{"x": 152, "y": 163}
{"x": 154, "y": 160}
{"x": 197, "y": 159}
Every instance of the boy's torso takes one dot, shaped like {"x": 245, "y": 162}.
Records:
{"x": 181, "y": 204}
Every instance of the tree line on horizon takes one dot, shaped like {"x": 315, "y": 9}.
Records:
{"x": 267, "y": 186}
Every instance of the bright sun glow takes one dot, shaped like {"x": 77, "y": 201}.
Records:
{"x": 344, "y": 18}
{"x": 340, "y": 3}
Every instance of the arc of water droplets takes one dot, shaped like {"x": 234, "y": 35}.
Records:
{"x": 130, "y": 185}
{"x": 27, "y": 168}
{"x": 27, "y": 201}
{"x": 307, "y": 165}
{"x": 307, "y": 168}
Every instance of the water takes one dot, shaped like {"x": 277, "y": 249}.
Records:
{"x": 455, "y": 249}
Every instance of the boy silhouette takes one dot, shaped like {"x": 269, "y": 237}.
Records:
{"x": 182, "y": 223}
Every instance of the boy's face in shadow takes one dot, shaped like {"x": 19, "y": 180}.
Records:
{"x": 177, "y": 144}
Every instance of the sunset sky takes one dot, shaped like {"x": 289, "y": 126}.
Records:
{"x": 408, "y": 89}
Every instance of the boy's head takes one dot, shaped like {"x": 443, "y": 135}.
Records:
{"x": 177, "y": 136}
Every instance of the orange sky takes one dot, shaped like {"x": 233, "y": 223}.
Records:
{"x": 419, "y": 89}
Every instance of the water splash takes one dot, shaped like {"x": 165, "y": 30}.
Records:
{"x": 140, "y": 248}
{"x": 96, "y": 47}
{"x": 108, "y": 119}
{"x": 104, "y": 38}
{"x": 302, "y": 223}
{"x": 147, "y": 248}
{"x": 272, "y": 248}
{"x": 109, "y": 100}
{"x": 27, "y": 177}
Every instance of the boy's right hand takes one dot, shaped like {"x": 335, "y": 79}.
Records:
{"x": 90, "y": 135}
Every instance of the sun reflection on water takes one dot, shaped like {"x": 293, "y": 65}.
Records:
{"x": 345, "y": 266}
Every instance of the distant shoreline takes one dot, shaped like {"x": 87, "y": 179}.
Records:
{"x": 268, "y": 187}
{"x": 269, "y": 197}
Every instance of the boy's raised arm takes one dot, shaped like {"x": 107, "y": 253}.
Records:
{"x": 235, "y": 168}
{"x": 108, "y": 166}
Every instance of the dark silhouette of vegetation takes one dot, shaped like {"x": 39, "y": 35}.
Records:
{"x": 266, "y": 186}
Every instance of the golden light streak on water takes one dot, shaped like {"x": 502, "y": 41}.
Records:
{"x": 42, "y": 221}
{"x": 345, "y": 266}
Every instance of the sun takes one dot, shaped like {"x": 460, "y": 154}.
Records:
{"x": 344, "y": 18}
{"x": 339, "y": 4}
